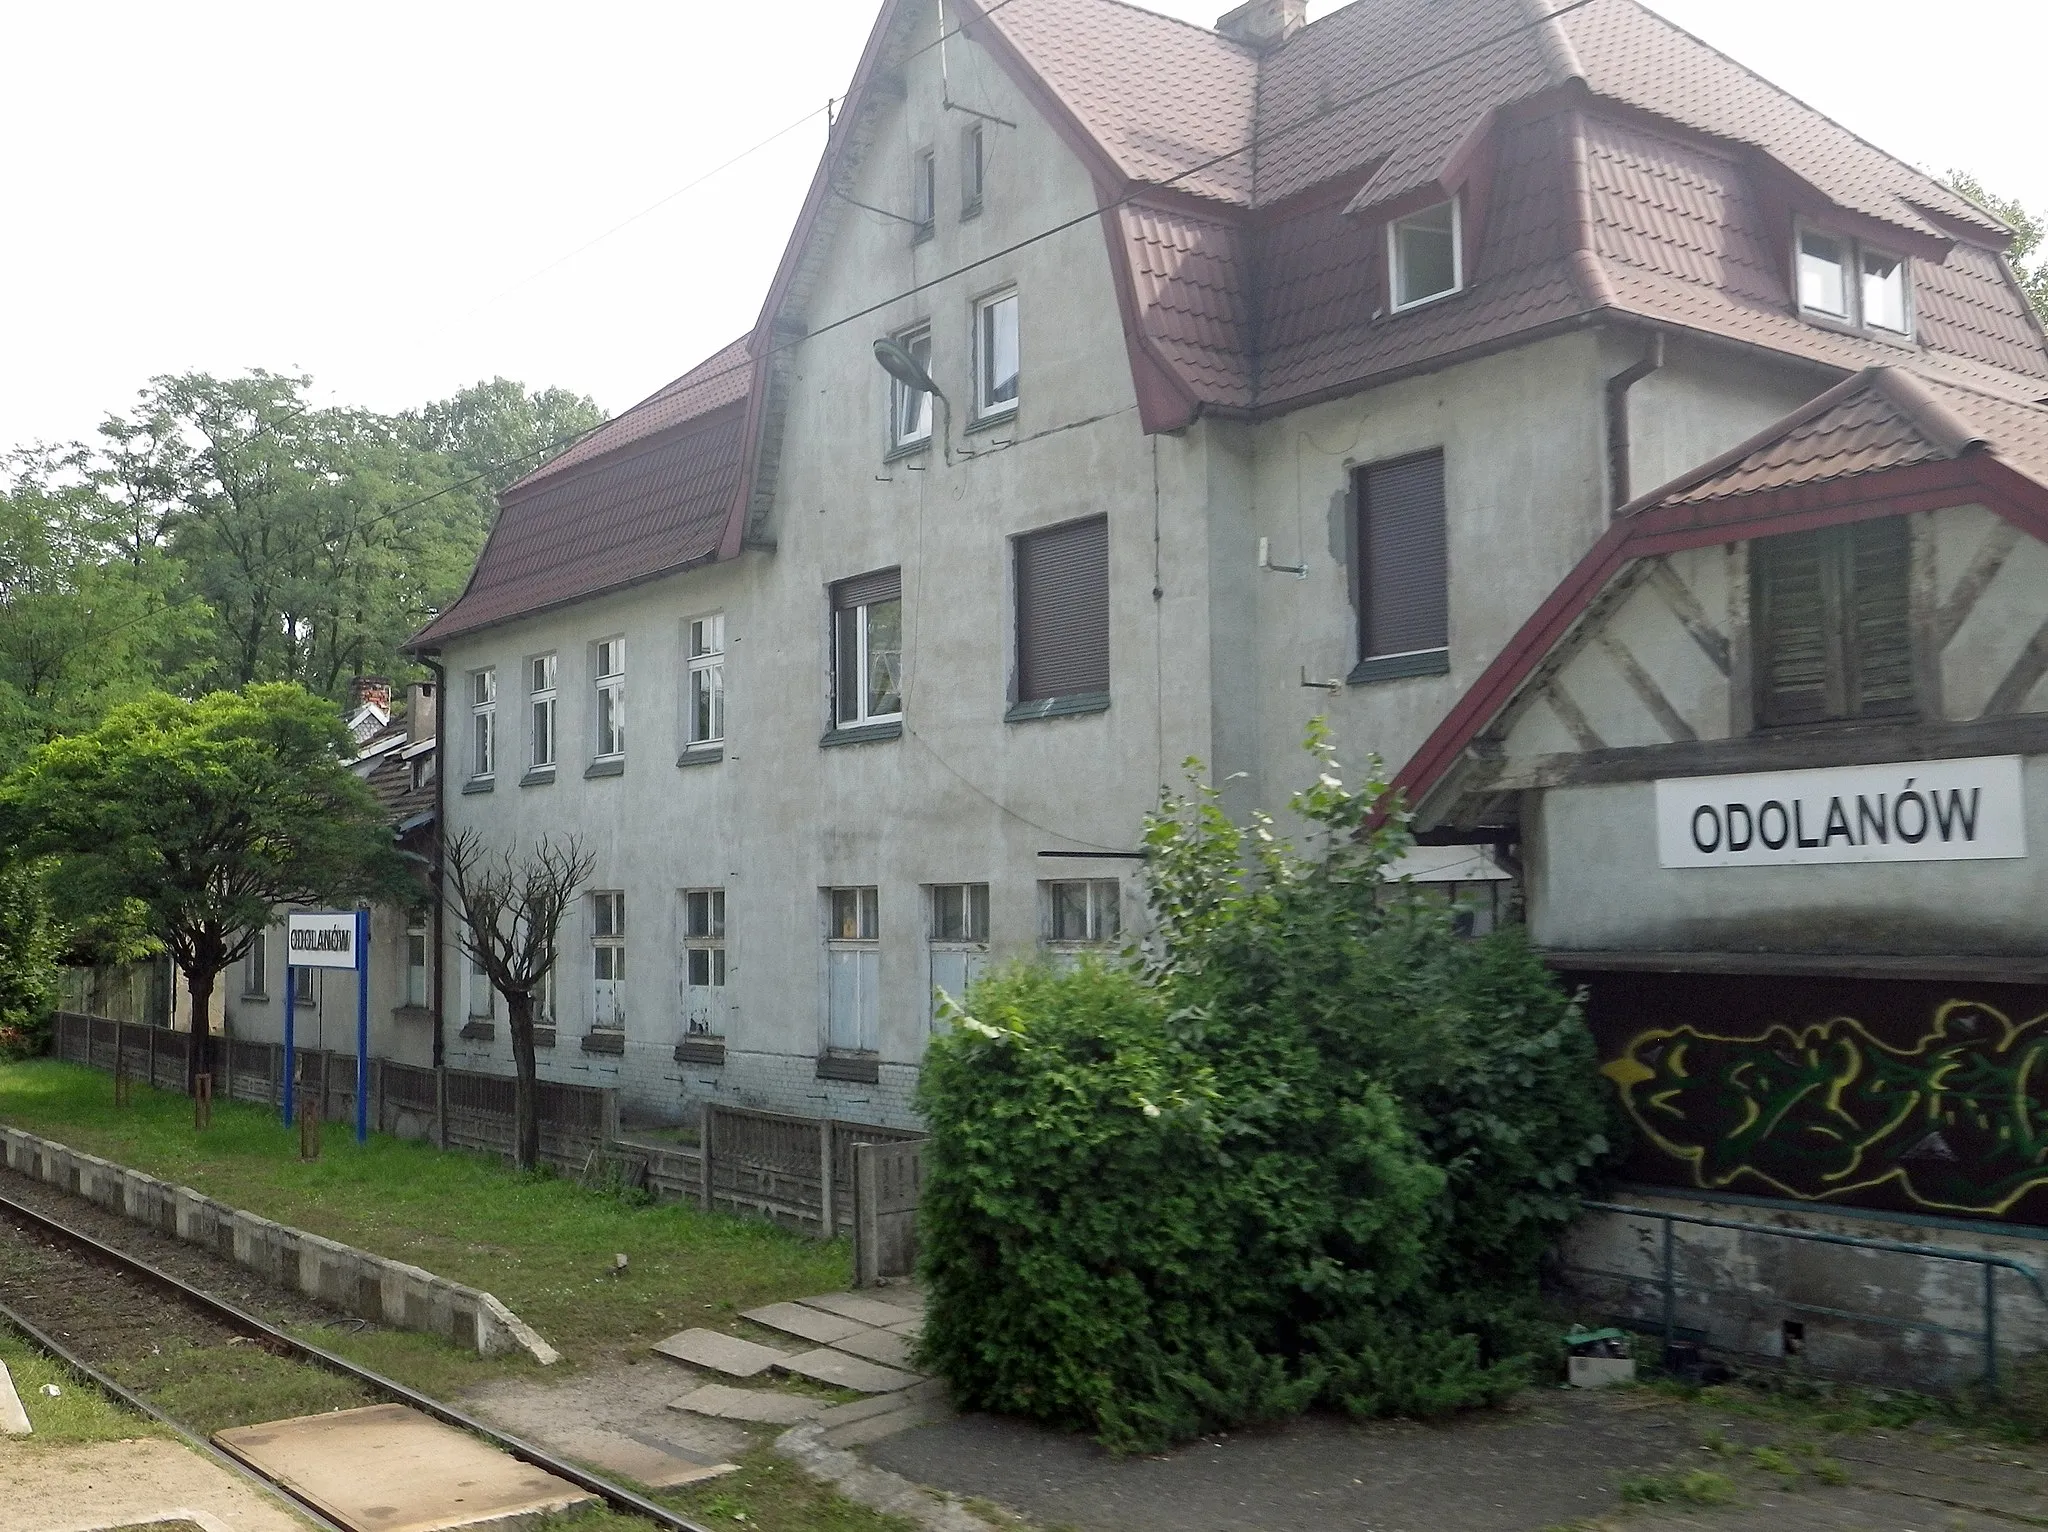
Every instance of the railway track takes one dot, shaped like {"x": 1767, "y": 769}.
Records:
{"x": 134, "y": 1330}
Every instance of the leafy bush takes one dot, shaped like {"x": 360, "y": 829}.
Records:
{"x": 29, "y": 944}
{"x": 1310, "y": 1148}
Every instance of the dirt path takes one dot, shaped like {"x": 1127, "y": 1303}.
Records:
{"x": 47, "y": 1488}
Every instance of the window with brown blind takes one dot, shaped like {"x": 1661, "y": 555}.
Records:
{"x": 1063, "y": 620}
{"x": 1404, "y": 603}
{"x": 867, "y": 651}
{"x": 1829, "y": 610}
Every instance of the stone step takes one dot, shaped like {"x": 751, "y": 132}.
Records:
{"x": 728, "y": 1354}
{"x": 751, "y": 1404}
{"x": 868, "y": 1311}
{"x": 883, "y": 1346}
{"x": 839, "y": 1370}
{"x": 814, "y": 1325}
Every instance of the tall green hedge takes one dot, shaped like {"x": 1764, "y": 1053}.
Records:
{"x": 1311, "y": 1148}
{"x": 29, "y": 944}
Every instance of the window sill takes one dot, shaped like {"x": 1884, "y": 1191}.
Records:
{"x": 256, "y": 994}
{"x": 924, "y": 233}
{"x": 411, "y": 1013}
{"x": 480, "y": 785}
{"x": 902, "y": 450}
{"x": 862, "y": 734}
{"x": 1058, "y": 707}
{"x": 604, "y": 1042}
{"x": 1397, "y": 310}
{"x": 479, "y": 1031}
{"x": 855, "y": 1068}
{"x": 994, "y": 420}
{"x": 538, "y": 776}
{"x": 615, "y": 767}
{"x": 701, "y": 1050}
{"x": 1835, "y": 325}
{"x": 972, "y": 210}
{"x": 707, "y": 755}
{"x": 543, "y": 1037}
{"x": 1401, "y": 667}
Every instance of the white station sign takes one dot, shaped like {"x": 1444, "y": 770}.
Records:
{"x": 320, "y": 941}
{"x": 1915, "y": 811}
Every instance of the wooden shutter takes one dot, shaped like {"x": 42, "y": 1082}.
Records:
{"x": 1405, "y": 584}
{"x": 1831, "y": 611}
{"x": 1880, "y": 639}
{"x": 1063, "y": 611}
{"x": 1793, "y": 583}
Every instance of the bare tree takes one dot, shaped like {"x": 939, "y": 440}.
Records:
{"x": 512, "y": 905}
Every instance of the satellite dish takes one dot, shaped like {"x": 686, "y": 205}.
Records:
{"x": 897, "y": 361}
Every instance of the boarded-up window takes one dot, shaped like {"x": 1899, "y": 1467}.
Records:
{"x": 1063, "y": 611}
{"x": 1404, "y": 583}
{"x": 1832, "y": 634}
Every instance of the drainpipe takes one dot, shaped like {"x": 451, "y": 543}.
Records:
{"x": 440, "y": 903}
{"x": 1619, "y": 491}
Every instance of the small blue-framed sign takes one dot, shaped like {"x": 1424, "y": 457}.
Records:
{"x": 329, "y": 939}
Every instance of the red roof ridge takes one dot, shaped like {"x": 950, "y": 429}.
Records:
{"x": 1192, "y": 26}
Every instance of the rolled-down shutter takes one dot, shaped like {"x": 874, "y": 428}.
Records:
{"x": 868, "y": 589}
{"x": 1063, "y": 611}
{"x": 1402, "y": 540}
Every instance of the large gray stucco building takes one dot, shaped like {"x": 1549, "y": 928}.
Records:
{"x": 1285, "y": 370}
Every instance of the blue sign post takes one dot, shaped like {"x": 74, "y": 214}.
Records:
{"x": 339, "y": 939}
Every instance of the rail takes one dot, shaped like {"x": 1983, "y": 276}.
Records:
{"x": 616, "y": 1496}
{"x": 1669, "y": 1282}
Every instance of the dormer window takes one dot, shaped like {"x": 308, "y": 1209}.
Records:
{"x": 1845, "y": 280}
{"x": 1425, "y": 255}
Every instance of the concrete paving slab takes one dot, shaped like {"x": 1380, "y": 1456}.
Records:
{"x": 842, "y": 1371}
{"x": 47, "y": 1486}
{"x": 876, "y": 1428}
{"x": 655, "y": 1466}
{"x": 808, "y": 1323}
{"x": 728, "y": 1354}
{"x": 883, "y": 1346}
{"x": 912, "y": 1327}
{"x": 868, "y": 1311}
{"x": 13, "y": 1418}
{"x": 390, "y": 1469}
{"x": 928, "y": 1392}
{"x": 754, "y": 1404}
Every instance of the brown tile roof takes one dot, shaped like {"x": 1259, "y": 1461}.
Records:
{"x": 650, "y": 506}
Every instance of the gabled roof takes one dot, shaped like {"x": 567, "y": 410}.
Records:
{"x": 652, "y": 491}
{"x": 1884, "y": 442}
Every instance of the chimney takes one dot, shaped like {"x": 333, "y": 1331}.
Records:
{"x": 1265, "y": 24}
{"x": 373, "y": 691}
{"x": 419, "y": 712}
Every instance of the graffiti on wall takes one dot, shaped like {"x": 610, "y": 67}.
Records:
{"x": 1955, "y": 1121}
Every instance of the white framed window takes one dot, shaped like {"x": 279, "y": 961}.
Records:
{"x": 704, "y": 990}
{"x": 419, "y": 990}
{"x": 867, "y": 649}
{"x": 305, "y": 988}
{"x": 853, "y": 968}
{"x": 609, "y": 667}
{"x": 608, "y": 960}
{"x": 1426, "y": 255}
{"x": 973, "y": 168}
{"x": 910, "y": 409}
{"x": 1083, "y": 912}
{"x": 483, "y": 1000}
{"x": 1843, "y": 279}
{"x": 540, "y": 696}
{"x": 422, "y": 771}
{"x": 997, "y": 363}
{"x": 924, "y": 194}
{"x": 256, "y": 969}
{"x": 959, "y": 940}
{"x": 704, "y": 703}
{"x": 483, "y": 722}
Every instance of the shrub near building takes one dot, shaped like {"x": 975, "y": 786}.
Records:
{"x": 1312, "y": 1152}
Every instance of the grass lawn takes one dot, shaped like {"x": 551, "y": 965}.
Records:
{"x": 79, "y": 1413}
{"x": 542, "y": 1245}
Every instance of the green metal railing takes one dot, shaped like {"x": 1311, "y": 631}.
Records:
{"x": 1669, "y": 1283}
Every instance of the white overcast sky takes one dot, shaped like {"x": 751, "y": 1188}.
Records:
{"x": 394, "y": 197}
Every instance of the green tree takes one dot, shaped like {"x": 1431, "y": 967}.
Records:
{"x": 206, "y": 815}
{"x": 498, "y": 432}
{"x": 2027, "y": 260}
{"x": 30, "y": 942}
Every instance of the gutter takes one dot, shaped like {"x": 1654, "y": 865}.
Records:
{"x": 440, "y": 903}
{"x": 1619, "y": 446}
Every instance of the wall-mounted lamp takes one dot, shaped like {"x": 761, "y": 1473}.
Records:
{"x": 897, "y": 361}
